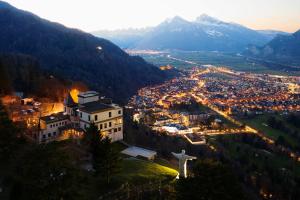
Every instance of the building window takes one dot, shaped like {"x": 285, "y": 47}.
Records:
{"x": 115, "y": 130}
{"x": 109, "y": 114}
{"x": 50, "y": 125}
{"x": 65, "y": 109}
{"x": 119, "y": 121}
{"x": 96, "y": 118}
{"x": 85, "y": 126}
{"x": 119, "y": 112}
{"x": 81, "y": 115}
{"x": 89, "y": 118}
{"x": 105, "y": 125}
{"x": 49, "y": 134}
{"x": 101, "y": 126}
{"x": 54, "y": 133}
{"x": 119, "y": 129}
{"x": 44, "y": 136}
{"x": 109, "y": 124}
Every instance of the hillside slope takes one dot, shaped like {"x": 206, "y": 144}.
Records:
{"x": 74, "y": 54}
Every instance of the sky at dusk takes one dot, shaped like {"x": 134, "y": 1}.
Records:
{"x": 91, "y": 15}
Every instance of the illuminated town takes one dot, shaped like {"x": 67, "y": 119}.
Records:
{"x": 225, "y": 96}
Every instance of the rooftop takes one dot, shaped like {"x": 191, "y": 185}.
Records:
{"x": 95, "y": 106}
{"x": 69, "y": 101}
{"x": 88, "y": 94}
{"x": 55, "y": 117}
{"x": 137, "y": 151}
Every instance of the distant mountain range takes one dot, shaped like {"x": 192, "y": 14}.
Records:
{"x": 74, "y": 54}
{"x": 271, "y": 34}
{"x": 204, "y": 34}
{"x": 284, "y": 49}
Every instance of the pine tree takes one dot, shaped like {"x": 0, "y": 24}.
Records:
{"x": 108, "y": 163}
{"x": 105, "y": 157}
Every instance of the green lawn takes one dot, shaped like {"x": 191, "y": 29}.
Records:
{"x": 260, "y": 123}
{"x": 259, "y": 157}
{"x": 140, "y": 171}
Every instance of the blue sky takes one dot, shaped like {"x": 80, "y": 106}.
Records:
{"x": 90, "y": 15}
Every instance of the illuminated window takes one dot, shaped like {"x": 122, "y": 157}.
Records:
{"x": 120, "y": 121}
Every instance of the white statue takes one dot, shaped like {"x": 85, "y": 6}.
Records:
{"x": 183, "y": 158}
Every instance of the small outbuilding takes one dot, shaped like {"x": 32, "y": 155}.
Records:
{"x": 139, "y": 152}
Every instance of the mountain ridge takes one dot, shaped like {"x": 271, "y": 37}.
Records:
{"x": 204, "y": 33}
{"x": 102, "y": 65}
{"x": 283, "y": 48}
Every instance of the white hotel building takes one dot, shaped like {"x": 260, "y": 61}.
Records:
{"x": 107, "y": 117}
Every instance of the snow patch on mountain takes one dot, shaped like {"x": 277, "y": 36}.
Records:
{"x": 214, "y": 33}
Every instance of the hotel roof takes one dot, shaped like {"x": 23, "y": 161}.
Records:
{"x": 95, "y": 106}
{"x": 88, "y": 94}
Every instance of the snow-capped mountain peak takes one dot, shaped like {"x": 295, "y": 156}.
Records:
{"x": 204, "y": 18}
{"x": 175, "y": 19}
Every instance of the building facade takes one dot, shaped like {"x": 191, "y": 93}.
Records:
{"x": 57, "y": 127}
{"x": 78, "y": 116}
{"x": 107, "y": 117}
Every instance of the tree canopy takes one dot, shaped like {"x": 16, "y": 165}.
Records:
{"x": 211, "y": 181}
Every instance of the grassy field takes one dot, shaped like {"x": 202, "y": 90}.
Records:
{"x": 260, "y": 158}
{"x": 140, "y": 171}
{"x": 135, "y": 170}
{"x": 232, "y": 61}
{"x": 260, "y": 123}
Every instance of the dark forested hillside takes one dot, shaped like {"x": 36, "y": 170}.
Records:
{"x": 74, "y": 54}
{"x": 23, "y": 73}
{"x": 18, "y": 72}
